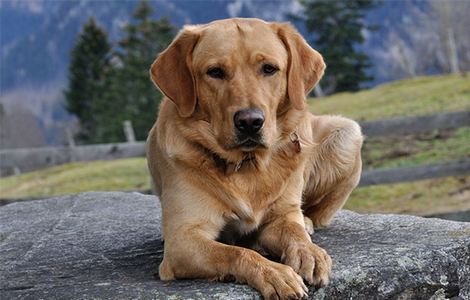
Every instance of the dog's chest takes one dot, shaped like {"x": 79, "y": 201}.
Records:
{"x": 258, "y": 196}
{"x": 257, "y": 191}
{"x": 265, "y": 184}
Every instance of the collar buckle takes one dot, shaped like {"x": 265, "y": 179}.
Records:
{"x": 294, "y": 138}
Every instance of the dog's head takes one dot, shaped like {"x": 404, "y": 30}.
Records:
{"x": 239, "y": 76}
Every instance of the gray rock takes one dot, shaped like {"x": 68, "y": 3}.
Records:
{"x": 108, "y": 245}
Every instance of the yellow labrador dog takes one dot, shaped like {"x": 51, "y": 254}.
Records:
{"x": 237, "y": 158}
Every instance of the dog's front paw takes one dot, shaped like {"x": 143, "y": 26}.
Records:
{"x": 278, "y": 281}
{"x": 309, "y": 261}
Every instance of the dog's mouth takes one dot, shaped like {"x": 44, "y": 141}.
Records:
{"x": 249, "y": 144}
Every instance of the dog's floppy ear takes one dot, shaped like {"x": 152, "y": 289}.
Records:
{"x": 172, "y": 71}
{"x": 305, "y": 66}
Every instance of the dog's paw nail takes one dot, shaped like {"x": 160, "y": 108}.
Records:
{"x": 305, "y": 288}
{"x": 273, "y": 297}
{"x": 310, "y": 280}
{"x": 322, "y": 282}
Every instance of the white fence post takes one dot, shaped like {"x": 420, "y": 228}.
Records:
{"x": 70, "y": 140}
{"x": 318, "y": 91}
{"x": 70, "y": 144}
{"x": 129, "y": 131}
{"x": 16, "y": 171}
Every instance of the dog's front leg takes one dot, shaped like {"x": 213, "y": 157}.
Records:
{"x": 284, "y": 235}
{"x": 190, "y": 252}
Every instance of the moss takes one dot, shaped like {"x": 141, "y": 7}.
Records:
{"x": 460, "y": 233}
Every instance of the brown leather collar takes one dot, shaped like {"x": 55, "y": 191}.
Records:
{"x": 228, "y": 167}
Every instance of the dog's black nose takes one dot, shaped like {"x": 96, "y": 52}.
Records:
{"x": 248, "y": 121}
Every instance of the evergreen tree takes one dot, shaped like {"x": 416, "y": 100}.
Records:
{"x": 337, "y": 30}
{"x": 131, "y": 95}
{"x": 89, "y": 60}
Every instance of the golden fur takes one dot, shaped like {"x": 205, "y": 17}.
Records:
{"x": 263, "y": 199}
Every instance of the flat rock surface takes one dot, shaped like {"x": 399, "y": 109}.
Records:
{"x": 108, "y": 245}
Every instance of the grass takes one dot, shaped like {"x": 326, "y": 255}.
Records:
{"x": 421, "y": 197}
{"x": 420, "y": 96}
{"x": 417, "y": 198}
{"x": 410, "y": 150}
{"x": 427, "y": 95}
{"x": 117, "y": 175}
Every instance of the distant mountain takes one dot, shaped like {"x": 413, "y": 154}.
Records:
{"x": 37, "y": 36}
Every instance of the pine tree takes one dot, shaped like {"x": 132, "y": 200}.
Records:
{"x": 131, "y": 95}
{"x": 337, "y": 30}
{"x": 89, "y": 60}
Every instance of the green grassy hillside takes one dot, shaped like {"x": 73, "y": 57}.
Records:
{"x": 419, "y": 96}
{"x": 116, "y": 175}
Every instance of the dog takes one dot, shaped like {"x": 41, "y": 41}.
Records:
{"x": 238, "y": 161}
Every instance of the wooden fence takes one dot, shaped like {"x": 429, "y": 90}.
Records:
{"x": 459, "y": 167}
{"x": 24, "y": 160}
{"x": 417, "y": 124}
{"x": 28, "y": 159}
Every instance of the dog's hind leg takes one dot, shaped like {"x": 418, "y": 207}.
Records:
{"x": 335, "y": 168}
{"x": 322, "y": 212}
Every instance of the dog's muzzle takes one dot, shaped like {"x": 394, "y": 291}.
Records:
{"x": 248, "y": 124}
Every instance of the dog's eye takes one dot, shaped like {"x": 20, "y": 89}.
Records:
{"x": 268, "y": 69}
{"x": 216, "y": 72}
